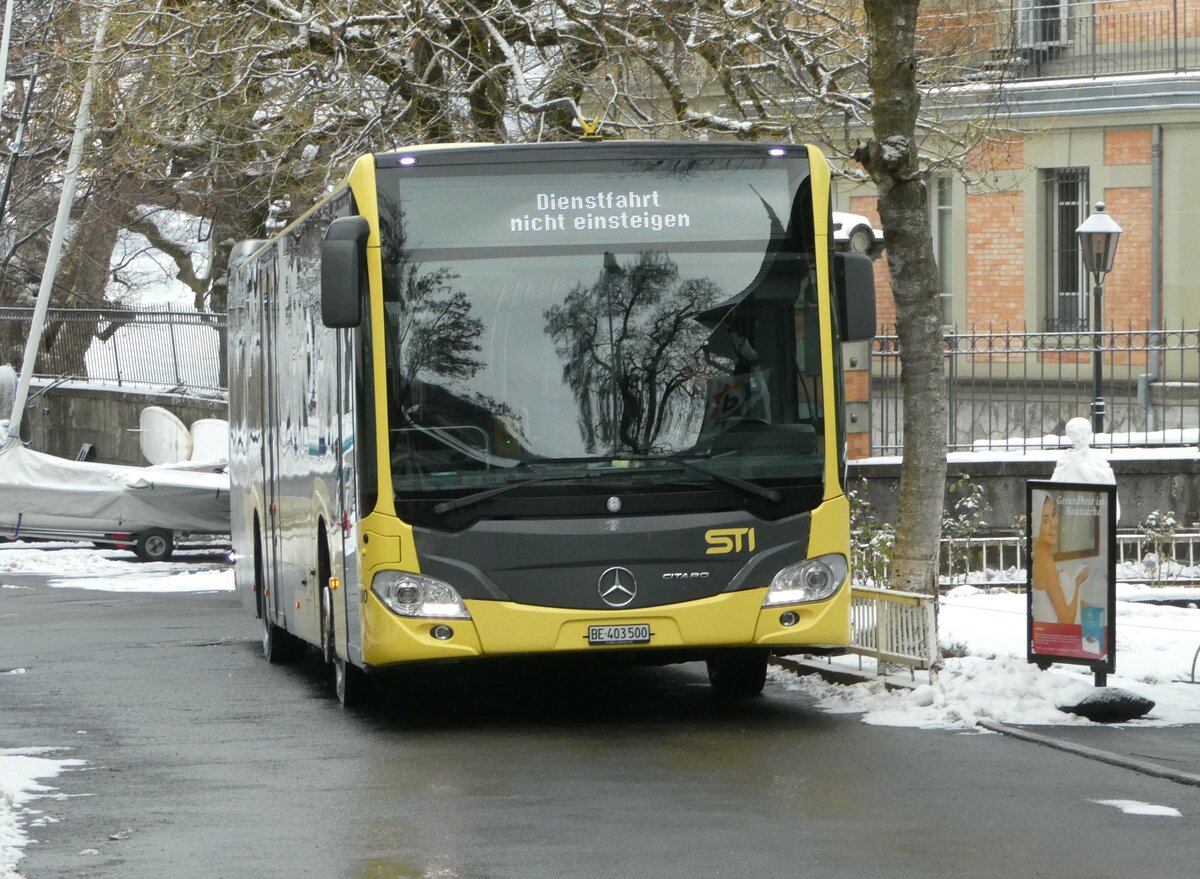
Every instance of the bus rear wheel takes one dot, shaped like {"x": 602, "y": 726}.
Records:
{"x": 328, "y": 648}
{"x": 279, "y": 648}
{"x": 738, "y": 674}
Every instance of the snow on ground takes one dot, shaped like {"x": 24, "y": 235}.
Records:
{"x": 83, "y": 567}
{"x": 21, "y": 770}
{"x": 989, "y": 679}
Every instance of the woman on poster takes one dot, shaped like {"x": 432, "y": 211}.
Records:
{"x": 1050, "y": 604}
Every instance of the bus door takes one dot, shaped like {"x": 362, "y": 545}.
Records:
{"x": 347, "y": 487}
{"x": 270, "y": 464}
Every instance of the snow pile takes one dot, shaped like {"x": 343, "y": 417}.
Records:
{"x": 92, "y": 569}
{"x": 171, "y": 581}
{"x": 19, "y": 771}
{"x": 28, "y": 558}
{"x": 1137, "y": 807}
{"x": 1149, "y": 569}
{"x": 967, "y": 691}
{"x": 988, "y": 677}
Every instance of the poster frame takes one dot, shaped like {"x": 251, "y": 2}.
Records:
{"x": 1108, "y": 539}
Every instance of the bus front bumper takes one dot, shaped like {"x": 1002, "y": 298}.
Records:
{"x": 500, "y": 628}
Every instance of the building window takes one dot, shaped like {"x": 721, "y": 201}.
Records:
{"x": 943, "y": 244}
{"x": 1066, "y": 281}
{"x": 1043, "y": 24}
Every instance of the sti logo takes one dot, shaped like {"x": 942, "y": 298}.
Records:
{"x": 725, "y": 540}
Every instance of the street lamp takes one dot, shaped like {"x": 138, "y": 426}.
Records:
{"x": 1098, "y": 236}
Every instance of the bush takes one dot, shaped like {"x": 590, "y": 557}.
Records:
{"x": 871, "y": 542}
{"x": 1158, "y": 532}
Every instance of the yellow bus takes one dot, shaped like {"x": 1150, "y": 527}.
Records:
{"x": 514, "y": 400}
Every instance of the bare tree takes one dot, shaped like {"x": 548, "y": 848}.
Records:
{"x": 891, "y": 159}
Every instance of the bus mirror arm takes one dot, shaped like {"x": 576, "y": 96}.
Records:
{"x": 854, "y": 283}
{"x": 344, "y": 272}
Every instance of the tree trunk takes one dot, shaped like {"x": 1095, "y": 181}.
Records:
{"x": 891, "y": 160}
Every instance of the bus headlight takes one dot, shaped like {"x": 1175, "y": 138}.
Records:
{"x": 411, "y": 595}
{"x": 810, "y": 580}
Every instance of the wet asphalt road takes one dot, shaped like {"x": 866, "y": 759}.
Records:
{"x": 204, "y": 761}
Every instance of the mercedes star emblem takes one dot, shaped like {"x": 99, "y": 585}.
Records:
{"x": 617, "y": 587}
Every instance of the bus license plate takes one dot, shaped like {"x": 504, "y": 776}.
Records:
{"x": 633, "y": 633}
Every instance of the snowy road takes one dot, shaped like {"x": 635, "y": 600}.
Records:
{"x": 200, "y": 760}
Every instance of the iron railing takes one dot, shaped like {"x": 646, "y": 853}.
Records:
{"x": 161, "y": 347}
{"x": 1015, "y": 390}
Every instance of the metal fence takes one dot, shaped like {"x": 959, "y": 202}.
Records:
{"x": 1014, "y": 390}
{"x": 163, "y": 347}
{"x": 1105, "y": 38}
{"x": 1048, "y": 39}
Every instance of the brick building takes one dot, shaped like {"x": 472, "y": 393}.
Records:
{"x": 1100, "y": 101}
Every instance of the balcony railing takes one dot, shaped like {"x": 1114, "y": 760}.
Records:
{"x": 1016, "y": 390}
{"x": 1043, "y": 39}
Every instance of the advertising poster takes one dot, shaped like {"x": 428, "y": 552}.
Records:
{"x": 1071, "y": 544}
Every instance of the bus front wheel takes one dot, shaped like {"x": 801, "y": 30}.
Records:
{"x": 738, "y": 674}
{"x": 351, "y": 684}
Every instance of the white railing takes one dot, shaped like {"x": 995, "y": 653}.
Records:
{"x": 893, "y": 626}
{"x": 1000, "y": 560}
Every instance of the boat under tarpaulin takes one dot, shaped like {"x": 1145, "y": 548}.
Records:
{"x": 45, "y": 496}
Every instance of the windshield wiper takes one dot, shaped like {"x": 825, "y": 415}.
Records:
{"x": 737, "y": 482}
{"x": 469, "y": 500}
{"x": 479, "y": 497}
{"x": 688, "y": 464}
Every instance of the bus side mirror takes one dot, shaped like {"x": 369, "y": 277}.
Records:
{"x": 344, "y": 272}
{"x": 854, "y": 286}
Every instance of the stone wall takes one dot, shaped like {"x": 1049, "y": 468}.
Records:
{"x": 60, "y": 420}
{"x": 1143, "y": 486}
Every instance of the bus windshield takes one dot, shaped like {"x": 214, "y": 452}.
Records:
{"x": 601, "y": 322}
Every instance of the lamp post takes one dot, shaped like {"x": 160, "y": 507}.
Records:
{"x": 1098, "y": 236}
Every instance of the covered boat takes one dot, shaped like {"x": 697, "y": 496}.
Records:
{"x": 146, "y": 509}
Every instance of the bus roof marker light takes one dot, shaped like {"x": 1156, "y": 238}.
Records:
{"x": 777, "y": 151}
{"x": 406, "y": 160}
